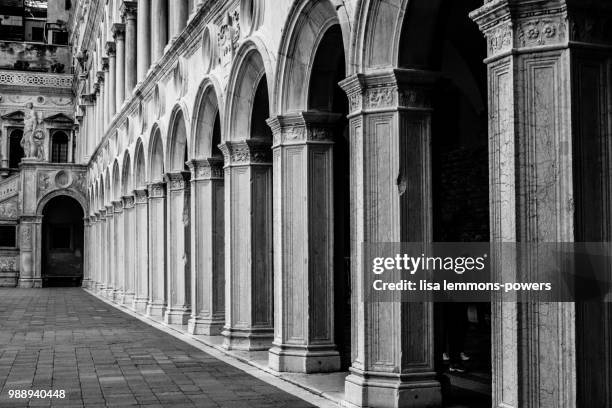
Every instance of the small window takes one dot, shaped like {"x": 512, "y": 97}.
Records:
{"x": 68, "y": 5}
{"x": 60, "y": 237}
{"x": 8, "y": 236}
{"x": 60, "y": 37}
{"x": 38, "y": 34}
{"x": 59, "y": 148}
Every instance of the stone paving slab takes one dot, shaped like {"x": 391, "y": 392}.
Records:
{"x": 66, "y": 339}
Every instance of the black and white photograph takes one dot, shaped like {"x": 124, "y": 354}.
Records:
{"x": 306, "y": 203}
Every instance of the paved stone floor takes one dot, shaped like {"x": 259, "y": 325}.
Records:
{"x": 66, "y": 339}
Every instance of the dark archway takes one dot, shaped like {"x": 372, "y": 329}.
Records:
{"x": 440, "y": 37}
{"x": 325, "y": 95}
{"x": 62, "y": 242}
{"x": 15, "y": 150}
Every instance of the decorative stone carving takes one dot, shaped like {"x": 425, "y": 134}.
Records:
{"x": 128, "y": 202}
{"x": 380, "y": 97}
{"x": 63, "y": 179}
{"x": 26, "y": 236}
{"x": 206, "y": 169}
{"x": 33, "y": 139}
{"x": 8, "y": 264}
{"x": 228, "y": 36}
{"x": 110, "y": 48}
{"x": 157, "y": 190}
{"x": 178, "y": 180}
{"x": 140, "y": 196}
{"x": 247, "y": 152}
{"x": 37, "y": 79}
{"x": 9, "y": 187}
{"x": 541, "y": 32}
{"x": 44, "y": 183}
{"x": 9, "y": 208}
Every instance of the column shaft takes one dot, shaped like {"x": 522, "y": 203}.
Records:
{"x": 129, "y": 254}
{"x": 249, "y": 319}
{"x": 207, "y": 247}
{"x": 159, "y": 28}
{"x": 119, "y": 34}
{"x": 130, "y": 49}
{"x": 112, "y": 78}
{"x": 144, "y": 38}
{"x": 178, "y": 242}
{"x": 157, "y": 250}
{"x": 178, "y": 18}
{"x": 141, "y": 257}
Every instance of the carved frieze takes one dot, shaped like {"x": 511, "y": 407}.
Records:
{"x": 26, "y": 236}
{"x": 207, "y": 169}
{"x": 9, "y": 208}
{"x": 178, "y": 181}
{"x": 128, "y": 201}
{"x": 228, "y": 36}
{"x": 542, "y": 31}
{"x": 9, "y": 264}
{"x": 157, "y": 190}
{"x": 140, "y": 196}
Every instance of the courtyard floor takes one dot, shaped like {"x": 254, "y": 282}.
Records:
{"x": 66, "y": 339}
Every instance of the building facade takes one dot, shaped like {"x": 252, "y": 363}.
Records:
{"x": 232, "y": 157}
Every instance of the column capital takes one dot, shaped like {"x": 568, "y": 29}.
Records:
{"x": 118, "y": 30}
{"x": 129, "y": 9}
{"x": 127, "y": 201}
{"x": 105, "y": 64}
{"x": 111, "y": 50}
{"x": 157, "y": 189}
{"x": 304, "y": 127}
{"x": 110, "y": 211}
{"x": 117, "y": 206}
{"x": 140, "y": 196}
{"x": 31, "y": 219}
{"x": 88, "y": 99}
{"x": 102, "y": 214}
{"x": 246, "y": 152}
{"x": 390, "y": 89}
{"x": 206, "y": 169}
{"x": 178, "y": 180}
{"x": 100, "y": 77}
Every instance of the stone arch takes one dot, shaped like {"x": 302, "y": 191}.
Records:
{"x": 156, "y": 156}
{"x": 101, "y": 196}
{"x": 116, "y": 183}
{"x": 252, "y": 64}
{"x": 178, "y": 142}
{"x": 126, "y": 174}
{"x": 107, "y": 188}
{"x": 306, "y": 25}
{"x": 79, "y": 197}
{"x": 208, "y": 109}
{"x": 139, "y": 178}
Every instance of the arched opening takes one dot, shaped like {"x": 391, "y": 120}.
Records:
{"x": 62, "y": 242}
{"x": 59, "y": 147}
{"x": 156, "y": 172}
{"x": 325, "y": 95}
{"x": 440, "y": 37}
{"x": 15, "y": 150}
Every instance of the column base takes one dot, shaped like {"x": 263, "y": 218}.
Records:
{"x": 307, "y": 359}
{"x": 155, "y": 310}
{"x": 206, "y": 326}
{"x": 128, "y": 298}
{"x": 118, "y": 296}
{"x": 108, "y": 292}
{"x": 177, "y": 316}
{"x": 254, "y": 339}
{"x": 99, "y": 288}
{"x": 29, "y": 283}
{"x": 86, "y": 283}
{"x": 390, "y": 390}
{"x": 140, "y": 305}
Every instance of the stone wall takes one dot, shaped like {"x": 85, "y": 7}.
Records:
{"x": 34, "y": 57}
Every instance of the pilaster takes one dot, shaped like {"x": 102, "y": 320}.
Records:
{"x": 112, "y": 78}
{"x": 30, "y": 238}
{"x": 129, "y": 255}
{"x": 141, "y": 256}
{"x": 119, "y": 252}
{"x": 111, "y": 285}
{"x": 157, "y": 250}
{"x": 119, "y": 35}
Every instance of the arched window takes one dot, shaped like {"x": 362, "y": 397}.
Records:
{"x": 15, "y": 149}
{"x": 59, "y": 147}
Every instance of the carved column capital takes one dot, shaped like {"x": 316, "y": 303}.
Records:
{"x": 102, "y": 214}
{"x": 110, "y": 48}
{"x": 129, "y": 10}
{"x": 118, "y": 30}
{"x": 100, "y": 77}
{"x": 304, "y": 127}
{"x": 110, "y": 211}
{"x": 247, "y": 152}
{"x": 105, "y": 64}
{"x": 117, "y": 206}
{"x": 157, "y": 189}
{"x": 128, "y": 201}
{"x": 206, "y": 169}
{"x": 177, "y": 180}
{"x": 140, "y": 196}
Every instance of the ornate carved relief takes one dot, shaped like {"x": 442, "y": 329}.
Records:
{"x": 26, "y": 236}
{"x": 178, "y": 181}
{"x": 128, "y": 201}
{"x": 140, "y": 196}
{"x": 157, "y": 190}
{"x": 541, "y": 32}
{"x": 36, "y": 79}
{"x": 9, "y": 187}
{"x": 9, "y": 264}
{"x": 247, "y": 152}
{"x": 382, "y": 97}
{"x": 207, "y": 169}
{"x": 228, "y": 36}
{"x": 9, "y": 208}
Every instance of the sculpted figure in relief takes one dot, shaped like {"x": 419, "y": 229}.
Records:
{"x": 33, "y": 139}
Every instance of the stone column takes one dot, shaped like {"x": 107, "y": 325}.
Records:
{"x": 157, "y": 250}
{"x": 392, "y": 343}
{"x": 129, "y": 254}
{"x": 119, "y": 34}
{"x": 249, "y": 323}
{"x": 179, "y": 12}
{"x": 177, "y": 248}
{"x": 119, "y": 252}
{"x": 100, "y": 112}
{"x": 112, "y": 79}
{"x": 549, "y": 94}
{"x": 111, "y": 284}
{"x": 144, "y": 38}
{"x": 86, "y": 253}
{"x": 159, "y": 28}
{"x": 207, "y": 247}
{"x": 102, "y": 236}
{"x": 304, "y": 243}
{"x": 129, "y": 15}
{"x": 30, "y": 240}
{"x": 141, "y": 256}
{"x": 106, "y": 106}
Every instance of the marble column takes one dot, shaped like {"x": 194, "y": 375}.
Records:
{"x": 29, "y": 244}
{"x": 119, "y": 34}
{"x": 119, "y": 252}
{"x": 390, "y": 133}
{"x": 101, "y": 286}
{"x": 106, "y": 106}
{"x": 100, "y": 99}
{"x": 112, "y": 79}
{"x": 178, "y": 13}
{"x": 207, "y": 247}
{"x": 131, "y": 46}
{"x": 141, "y": 256}
{"x": 157, "y": 250}
{"x": 249, "y": 322}
{"x": 86, "y": 253}
{"x": 177, "y": 248}
{"x": 129, "y": 254}
{"x": 111, "y": 285}
{"x": 549, "y": 93}
{"x": 304, "y": 243}
{"x": 159, "y": 28}
{"x": 144, "y": 38}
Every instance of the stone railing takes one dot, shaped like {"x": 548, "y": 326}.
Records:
{"x": 37, "y": 79}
